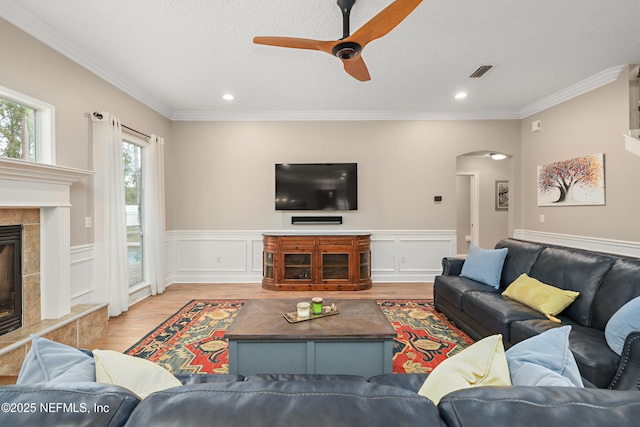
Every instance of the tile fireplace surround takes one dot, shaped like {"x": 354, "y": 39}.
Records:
{"x": 36, "y": 196}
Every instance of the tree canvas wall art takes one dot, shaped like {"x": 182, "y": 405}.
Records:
{"x": 578, "y": 181}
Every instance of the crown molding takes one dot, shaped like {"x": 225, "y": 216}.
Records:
{"x": 607, "y": 76}
{"x": 340, "y": 115}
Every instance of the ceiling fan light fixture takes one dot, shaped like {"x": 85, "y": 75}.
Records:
{"x": 498, "y": 156}
{"x": 346, "y": 50}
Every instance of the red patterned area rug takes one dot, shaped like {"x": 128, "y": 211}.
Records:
{"x": 192, "y": 340}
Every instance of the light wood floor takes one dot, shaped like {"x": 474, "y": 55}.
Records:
{"x": 126, "y": 329}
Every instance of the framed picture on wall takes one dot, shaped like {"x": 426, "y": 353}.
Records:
{"x": 502, "y": 195}
{"x": 577, "y": 181}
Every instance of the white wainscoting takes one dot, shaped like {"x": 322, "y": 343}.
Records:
{"x": 620, "y": 247}
{"x": 82, "y": 283}
{"x": 202, "y": 256}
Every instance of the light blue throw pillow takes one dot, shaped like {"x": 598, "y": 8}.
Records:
{"x": 52, "y": 362}
{"x": 544, "y": 360}
{"x": 484, "y": 265}
{"x": 622, "y": 323}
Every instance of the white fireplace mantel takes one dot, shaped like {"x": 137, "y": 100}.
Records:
{"x": 36, "y": 185}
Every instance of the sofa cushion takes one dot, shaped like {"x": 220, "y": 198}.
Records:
{"x": 495, "y": 312}
{"x": 452, "y": 288}
{"x": 520, "y": 258}
{"x": 285, "y": 403}
{"x": 596, "y": 361}
{"x": 207, "y": 378}
{"x": 544, "y": 360}
{"x": 573, "y": 270}
{"x": 50, "y": 361}
{"x": 140, "y": 376}
{"x": 621, "y": 324}
{"x": 484, "y": 265}
{"x": 619, "y": 286}
{"x": 412, "y": 381}
{"x": 544, "y": 298}
{"x": 481, "y": 364}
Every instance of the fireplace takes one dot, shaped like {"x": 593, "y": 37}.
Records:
{"x": 10, "y": 278}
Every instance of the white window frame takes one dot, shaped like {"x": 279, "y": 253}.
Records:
{"x": 45, "y": 124}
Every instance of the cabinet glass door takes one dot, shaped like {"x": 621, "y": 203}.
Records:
{"x": 297, "y": 266}
{"x": 268, "y": 265}
{"x": 335, "y": 266}
{"x": 365, "y": 265}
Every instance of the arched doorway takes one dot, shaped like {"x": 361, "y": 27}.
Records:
{"x": 479, "y": 175}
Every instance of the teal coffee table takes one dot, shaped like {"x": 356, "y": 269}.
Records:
{"x": 357, "y": 341}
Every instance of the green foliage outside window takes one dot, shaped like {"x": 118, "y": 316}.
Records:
{"x": 17, "y": 131}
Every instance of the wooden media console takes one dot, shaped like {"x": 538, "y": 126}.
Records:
{"x": 297, "y": 262}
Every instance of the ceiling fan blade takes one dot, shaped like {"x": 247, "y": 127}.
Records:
{"x": 296, "y": 43}
{"x": 384, "y": 21}
{"x": 357, "y": 68}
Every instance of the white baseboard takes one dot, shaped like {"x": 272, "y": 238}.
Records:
{"x": 619, "y": 247}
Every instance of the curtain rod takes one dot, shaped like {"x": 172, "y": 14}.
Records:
{"x": 99, "y": 117}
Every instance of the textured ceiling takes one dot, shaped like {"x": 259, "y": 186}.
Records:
{"x": 179, "y": 57}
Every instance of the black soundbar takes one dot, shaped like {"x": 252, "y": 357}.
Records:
{"x": 316, "y": 220}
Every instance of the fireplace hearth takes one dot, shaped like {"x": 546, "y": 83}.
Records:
{"x": 10, "y": 278}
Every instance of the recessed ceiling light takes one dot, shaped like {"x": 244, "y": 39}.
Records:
{"x": 461, "y": 95}
{"x": 228, "y": 97}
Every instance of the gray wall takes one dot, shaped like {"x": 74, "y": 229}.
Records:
{"x": 589, "y": 124}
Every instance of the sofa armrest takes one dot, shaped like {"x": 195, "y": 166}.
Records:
{"x": 540, "y": 406}
{"x": 66, "y": 404}
{"x": 452, "y": 266}
{"x": 628, "y": 375}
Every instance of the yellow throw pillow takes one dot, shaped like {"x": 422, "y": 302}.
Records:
{"x": 139, "y": 376}
{"x": 481, "y": 364}
{"x": 547, "y": 299}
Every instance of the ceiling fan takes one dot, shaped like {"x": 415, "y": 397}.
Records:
{"x": 349, "y": 48}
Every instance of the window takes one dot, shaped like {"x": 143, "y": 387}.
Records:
{"x": 132, "y": 156}
{"x": 17, "y": 131}
{"x": 26, "y": 128}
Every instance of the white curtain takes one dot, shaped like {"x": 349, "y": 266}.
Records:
{"x": 155, "y": 220}
{"x": 111, "y": 266}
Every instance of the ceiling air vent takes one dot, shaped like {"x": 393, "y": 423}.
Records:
{"x": 481, "y": 71}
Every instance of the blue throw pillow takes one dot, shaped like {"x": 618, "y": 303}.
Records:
{"x": 484, "y": 265}
{"x": 622, "y": 323}
{"x": 50, "y": 361}
{"x": 544, "y": 360}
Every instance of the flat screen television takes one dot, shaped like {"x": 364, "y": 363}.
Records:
{"x": 317, "y": 186}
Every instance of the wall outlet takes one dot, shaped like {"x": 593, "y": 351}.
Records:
{"x": 87, "y": 222}
{"x": 541, "y": 218}
{"x": 218, "y": 260}
{"x": 403, "y": 259}
{"x": 467, "y": 238}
